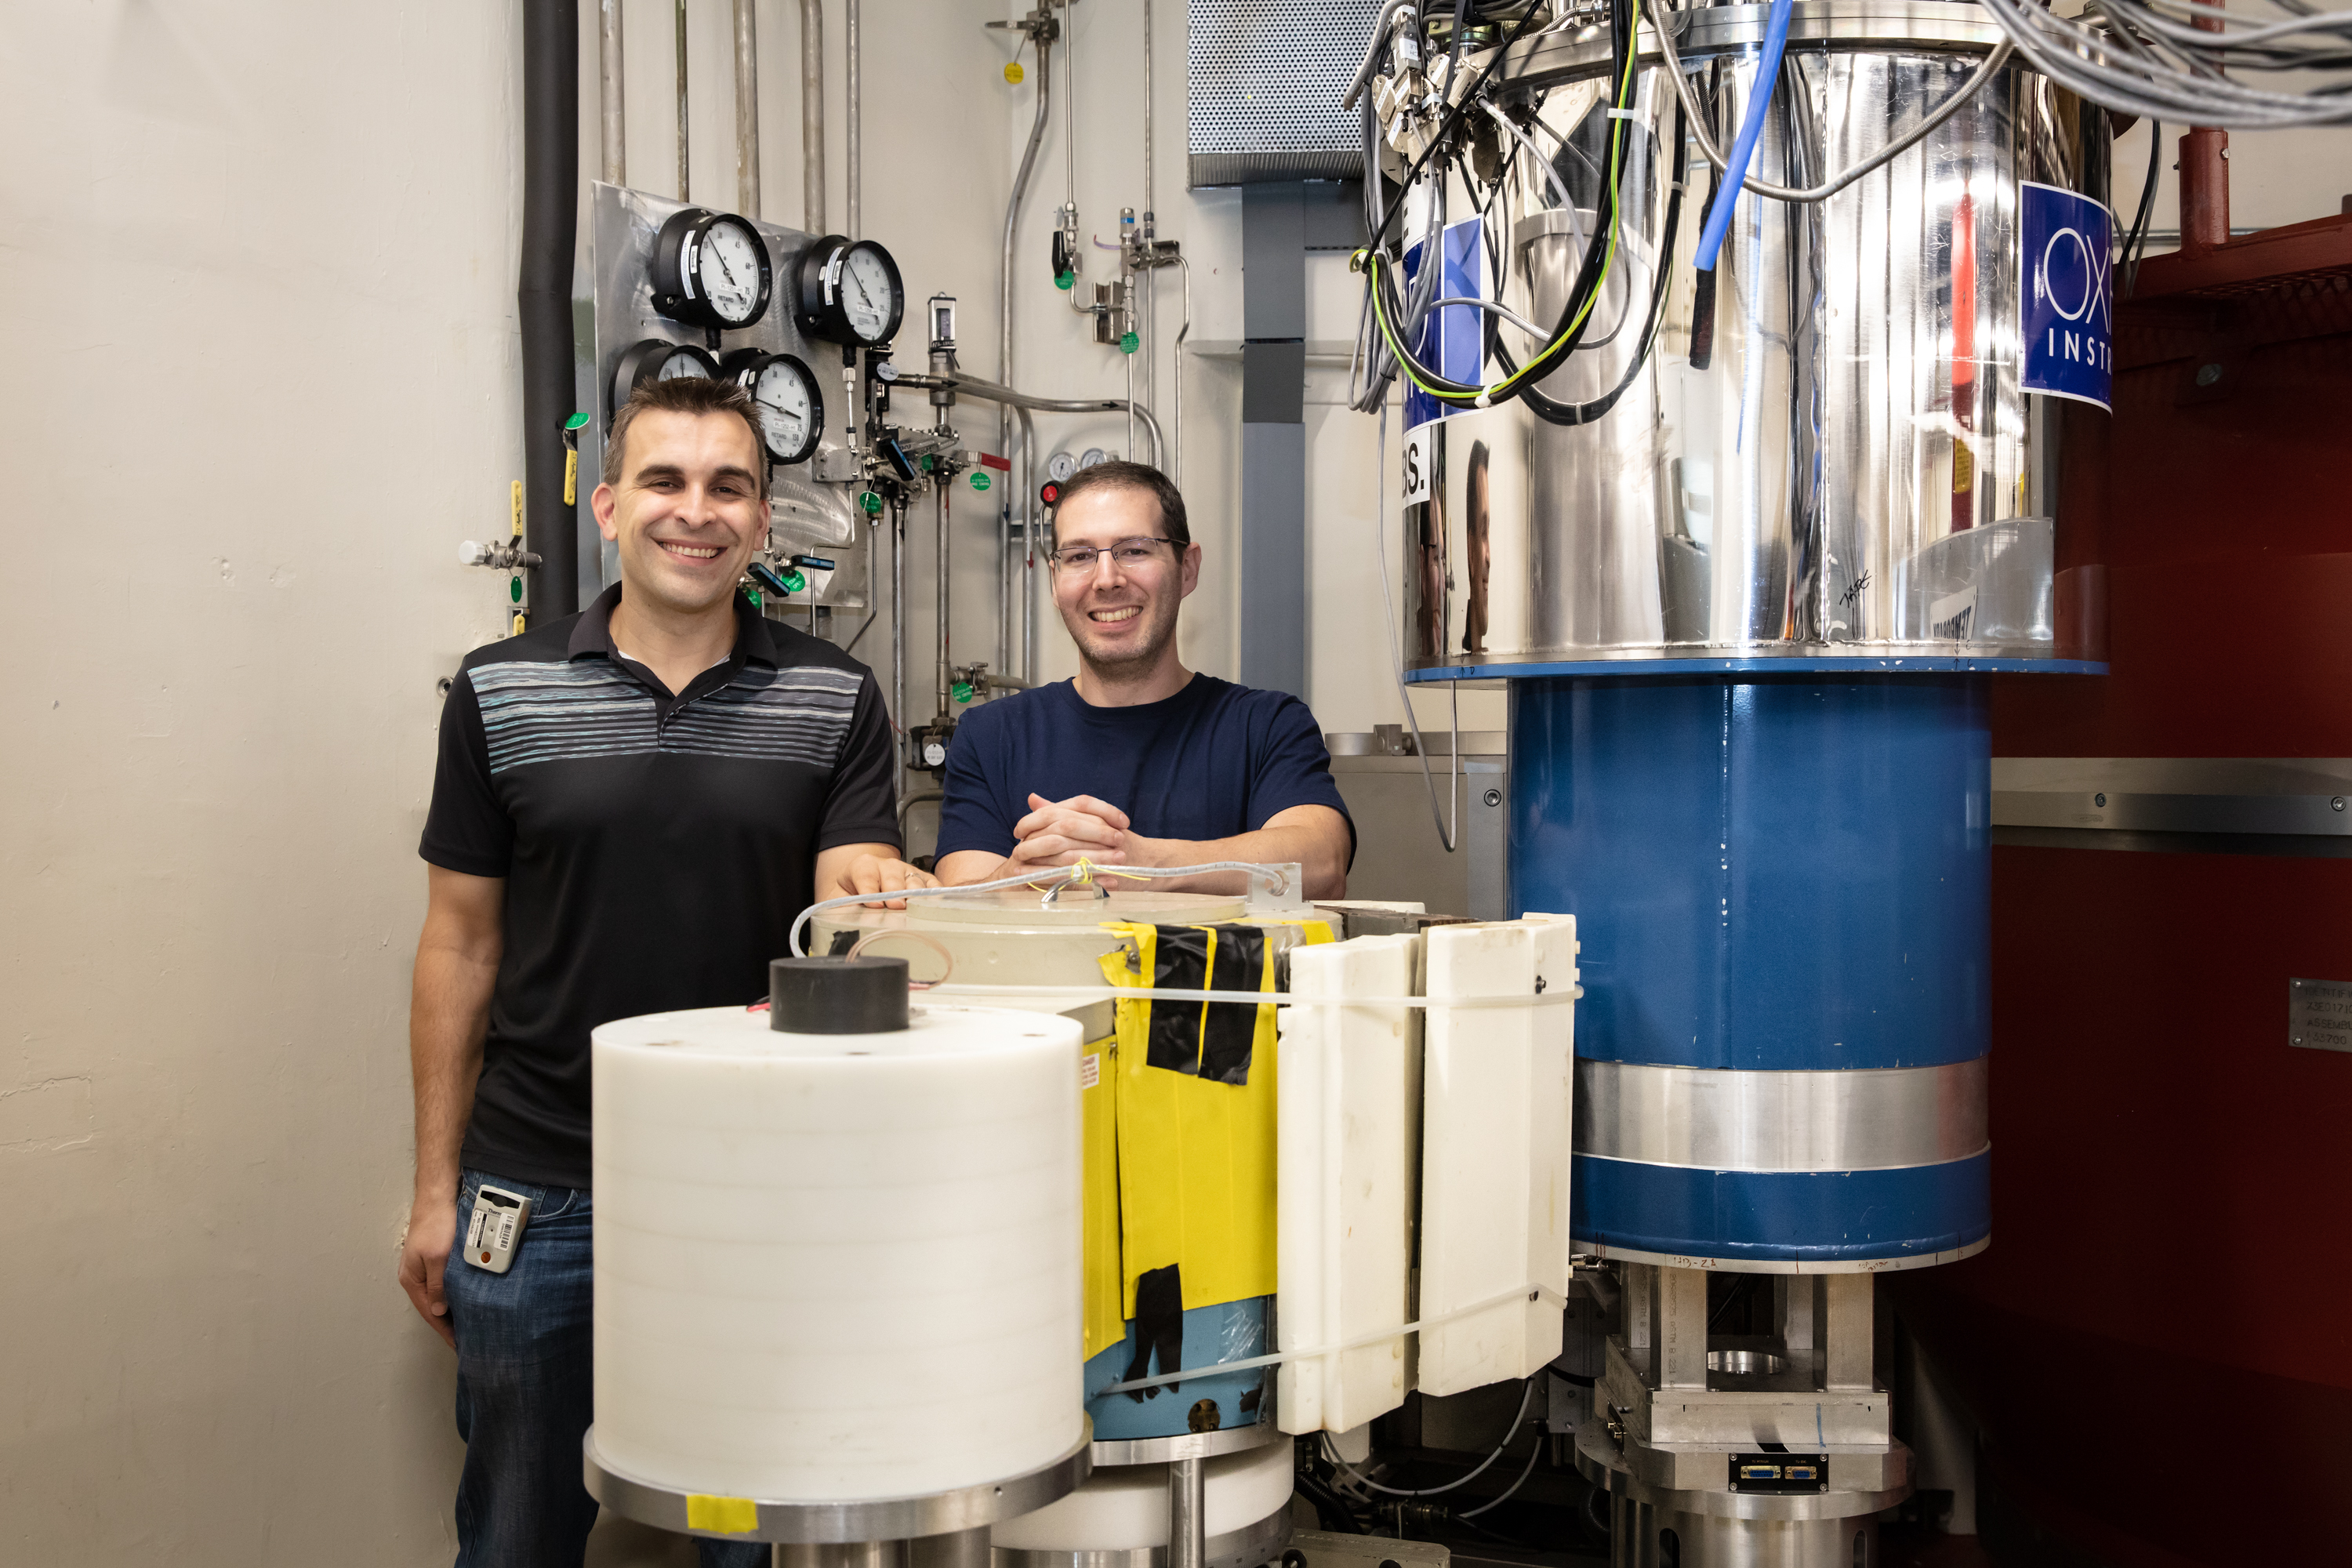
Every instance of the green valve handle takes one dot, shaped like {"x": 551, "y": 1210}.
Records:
{"x": 980, "y": 480}
{"x": 793, "y": 580}
{"x": 870, "y": 503}
{"x": 927, "y": 464}
{"x": 1063, "y": 279}
{"x": 1128, "y": 342}
{"x": 961, "y": 691}
{"x": 751, "y": 595}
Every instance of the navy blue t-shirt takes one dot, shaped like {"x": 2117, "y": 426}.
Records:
{"x": 1211, "y": 761}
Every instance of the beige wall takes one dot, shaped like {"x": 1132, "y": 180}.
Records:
{"x": 259, "y": 262}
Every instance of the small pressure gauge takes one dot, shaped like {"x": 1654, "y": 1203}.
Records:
{"x": 710, "y": 269}
{"x": 849, "y": 292}
{"x": 1060, "y": 466}
{"x": 657, "y": 359}
{"x": 786, "y": 393}
{"x": 1092, "y": 456}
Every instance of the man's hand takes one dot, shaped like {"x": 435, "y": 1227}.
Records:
{"x": 848, "y": 869}
{"x": 1064, "y": 832}
{"x": 423, "y": 1255}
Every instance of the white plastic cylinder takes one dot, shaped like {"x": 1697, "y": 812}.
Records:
{"x": 841, "y": 1266}
{"x": 1125, "y": 1508}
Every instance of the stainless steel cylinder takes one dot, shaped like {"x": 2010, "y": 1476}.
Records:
{"x": 844, "y": 1554}
{"x": 1187, "y": 1513}
{"x": 957, "y": 1548}
{"x": 1643, "y": 1535}
{"x": 1828, "y": 449}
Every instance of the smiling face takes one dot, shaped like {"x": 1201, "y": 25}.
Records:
{"x": 1123, "y": 618}
{"x": 687, "y": 511}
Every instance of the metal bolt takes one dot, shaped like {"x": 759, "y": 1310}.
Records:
{"x": 1495, "y": 797}
{"x": 2336, "y": 804}
{"x": 2207, "y": 375}
{"x": 2099, "y": 800}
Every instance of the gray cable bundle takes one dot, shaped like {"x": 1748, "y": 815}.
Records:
{"x": 2149, "y": 58}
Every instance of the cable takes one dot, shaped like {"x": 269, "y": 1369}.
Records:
{"x": 1447, "y": 835}
{"x": 2148, "y": 58}
{"x": 1533, "y": 1452}
{"x": 1664, "y": 33}
{"x": 1337, "y": 1463}
{"x": 2136, "y": 238}
{"x": 1743, "y": 147}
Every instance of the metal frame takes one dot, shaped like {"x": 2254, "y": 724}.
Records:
{"x": 1243, "y": 1548}
{"x": 878, "y": 1518}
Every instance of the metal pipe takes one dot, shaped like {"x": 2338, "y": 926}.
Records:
{"x": 966, "y": 385}
{"x": 551, "y": 162}
{"x": 940, "y": 490}
{"x": 1176, "y": 475}
{"x": 1004, "y": 335}
{"x": 679, "y": 44}
{"x": 812, "y": 116}
{"x": 899, "y": 642}
{"x": 1147, "y": 322}
{"x": 856, "y": 153}
{"x": 1028, "y": 546}
{"x": 873, "y": 584}
{"x": 1188, "y": 1514}
{"x": 746, "y": 109}
{"x": 612, "y": 118}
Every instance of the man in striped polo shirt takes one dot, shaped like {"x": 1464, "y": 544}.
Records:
{"x": 632, "y": 805}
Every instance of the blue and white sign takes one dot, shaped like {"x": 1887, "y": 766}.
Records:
{"x": 1452, "y": 341}
{"x": 2067, "y": 244}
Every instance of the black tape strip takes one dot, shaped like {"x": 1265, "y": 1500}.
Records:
{"x": 843, "y": 941}
{"x": 1231, "y": 1031}
{"x": 1181, "y": 962}
{"x": 1159, "y": 1329}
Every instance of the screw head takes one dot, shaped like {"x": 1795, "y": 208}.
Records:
{"x": 2099, "y": 800}
{"x": 1494, "y": 797}
{"x": 2207, "y": 375}
{"x": 2336, "y": 804}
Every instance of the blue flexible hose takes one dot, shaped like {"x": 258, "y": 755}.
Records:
{"x": 1759, "y": 99}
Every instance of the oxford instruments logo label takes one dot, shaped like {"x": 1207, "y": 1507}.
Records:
{"x": 2066, "y": 250}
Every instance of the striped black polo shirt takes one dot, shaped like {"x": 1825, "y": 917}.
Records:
{"x": 656, "y": 849}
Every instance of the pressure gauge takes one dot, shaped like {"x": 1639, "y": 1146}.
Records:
{"x": 1060, "y": 466}
{"x": 710, "y": 269}
{"x": 783, "y": 390}
{"x": 1092, "y": 456}
{"x": 849, "y": 292}
{"x": 657, "y": 359}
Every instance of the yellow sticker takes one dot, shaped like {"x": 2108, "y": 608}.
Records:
{"x": 1012, "y": 72}
{"x": 516, "y": 505}
{"x": 730, "y": 1515}
{"x": 571, "y": 478}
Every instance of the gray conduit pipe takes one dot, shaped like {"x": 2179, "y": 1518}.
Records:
{"x": 612, "y": 116}
{"x": 747, "y": 109}
{"x": 1004, "y": 348}
{"x": 855, "y": 228}
{"x": 551, "y": 179}
{"x": 812, "y": 116}
{"x": 967, "y": 386}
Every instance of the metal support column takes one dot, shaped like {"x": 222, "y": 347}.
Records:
{"x": 1274, "y": 438}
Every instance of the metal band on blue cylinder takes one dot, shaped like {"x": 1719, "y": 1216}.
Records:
{"x": 1783, "y": 890}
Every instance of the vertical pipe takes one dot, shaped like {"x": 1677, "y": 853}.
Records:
{"x": 746, "y": 109}
{"x": 812, "y": 116}
{"x": 1147, "y": 322}
{"x": 612, "y": 118}
{"x": 679, "y": 37}
{"x": 2205, "y": 177}
{"x": 1188, "y": 1514}
{"x": 940, "y": 490}
{"x": 856, "y": 226}
{"x": 551, "y": 201}
{"x": 899, "y": 642}
{"x": 1028, "y": 548}
{"x": 1004, "y": 328}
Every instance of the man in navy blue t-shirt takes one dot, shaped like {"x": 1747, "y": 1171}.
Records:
{"x": 1137, "y": 760}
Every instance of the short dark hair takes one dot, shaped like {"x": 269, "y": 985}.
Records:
{"x": 1118, "y": 474}
{"x": 695, "y": 394}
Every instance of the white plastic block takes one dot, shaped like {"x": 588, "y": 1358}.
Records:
{"x": 1349, "y": 1130}
{"x": 1494, "y": 1161}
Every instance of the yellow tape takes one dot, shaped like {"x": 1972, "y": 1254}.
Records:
{"x": 729, "y": 1515}
{"x": 1105, "y": 1323}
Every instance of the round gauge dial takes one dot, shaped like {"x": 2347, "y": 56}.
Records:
{"x": 657, "y": 359}
{"x": 1092, "y": 456}
{"x": 850, "y": 293}
{"x": 786, "y": 393}
{"x": 1060, "y": 466}
{"x": 710, "y": 269}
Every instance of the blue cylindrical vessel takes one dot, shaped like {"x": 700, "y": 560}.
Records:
{"x": 1781, "y": 886}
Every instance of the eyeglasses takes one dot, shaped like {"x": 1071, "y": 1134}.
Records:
{"x": 1127, "y": 553}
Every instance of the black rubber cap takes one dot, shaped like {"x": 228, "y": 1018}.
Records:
{"x": 838, "y": 995}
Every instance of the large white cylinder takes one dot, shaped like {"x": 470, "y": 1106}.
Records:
{"x": 836, "y": 1267}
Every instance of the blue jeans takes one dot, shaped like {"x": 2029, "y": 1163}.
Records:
{"x": 526, "y": 1391}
